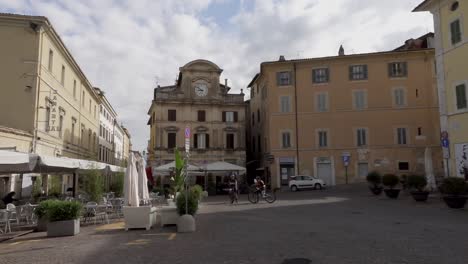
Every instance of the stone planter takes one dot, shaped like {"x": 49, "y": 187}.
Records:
{"x": 42, "y": 224}
{"x": 455, "y": 202}
{"x": 139, "y": 217}
{"x": 420, "y": 196}
{"x": 169, "y": 215}
{"x": 392, "y": 193}
{"x": 186, "y": 224}
{"x": 63, "y": 228}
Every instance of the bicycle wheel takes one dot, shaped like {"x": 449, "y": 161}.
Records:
{"x": 270, "y": 197}
{"x": 253, "y": 196}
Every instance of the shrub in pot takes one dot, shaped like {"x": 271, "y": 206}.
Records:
{"x": 454, "y": 192}
{"x": 390, "y": 181}
{"x": 63, "y": 218}
{"x": 197, "y": 191}
{"x": 417, "y": 184}
{"x": 375, "y": 180}
{"x": 192, "y": 202}
{"x": 41, "y": 213}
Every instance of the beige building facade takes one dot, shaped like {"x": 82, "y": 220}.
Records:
{"x": 200, "y": 102}
{"x": 451, "y": 45}
{"x": 380, "y": 109}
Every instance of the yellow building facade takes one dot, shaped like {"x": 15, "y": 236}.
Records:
{"x": 380, "y": 109}
{"x": 451, "y": 55}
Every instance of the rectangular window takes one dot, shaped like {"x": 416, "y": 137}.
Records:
{"x": 460, "y": 91}
{"x": 286, "y": 139}
{"x": 361, "y": 134}
{"x": 171, "y": 140}
{"x": 62, "y": 77}
{"x": 230, "y": 141}
{"x": 399, "y": 97}
{"x": 200, "y": 140}
{"x": 171, "y": 115}
{"x": 283, "y": 78}
{"x": 73, "y": 131}
{"x": 360, "y": 99}
{"x": 229, "y": 116}
{"x": 455, "y": 31}
{"x": 358, "y": 72}
{"x": 323, "y": 139}
{"x": 94, "y": 111}
{"x": 253, "y": 144}
{"x": 419, "y": 131}
{"x": 47, "y": 119}
{"x": 397, "y": 69}
{"x": 285, "y": 104}
{"x": 401, "y": 136}
{"x": 201, "y": 116}
{"x": 60, "y": 126}
{"x": 320, "y": 75}
{"x": 83, "y": 99}
{"x": 253, "y": 119}
{"x": 259, "y": 141}
{"x": 403, "y": 166}
{"x": 51, "y": 60}
{"x": 322, "y": 102}
{"x": 74, "y": 89}
{"x": 90, "y": 105}
{"x": 258, "y": 115}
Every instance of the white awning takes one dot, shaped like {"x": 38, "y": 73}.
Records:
{"x": 171, "y": 166}
{"x": 224, "y": 166}
{"x": 17, "y": 162}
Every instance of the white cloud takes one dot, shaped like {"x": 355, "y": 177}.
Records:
{"x": 125, "y": 46}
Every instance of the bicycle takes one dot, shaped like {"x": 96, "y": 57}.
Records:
{"x": 255, "y": 194}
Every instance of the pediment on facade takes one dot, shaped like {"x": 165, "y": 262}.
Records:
{"x": 230, "y": 129}
{"x": 201, "y": 129}
{"x": 171, "y": 129}
{"x": 201, "y": 65}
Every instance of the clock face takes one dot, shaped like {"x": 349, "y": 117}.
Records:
{"x": 201, "y": 89}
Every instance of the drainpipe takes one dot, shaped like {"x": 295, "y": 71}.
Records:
{"x": 295, "y": 112}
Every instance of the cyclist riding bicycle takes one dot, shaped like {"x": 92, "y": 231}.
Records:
{"x": 260, "y": 185}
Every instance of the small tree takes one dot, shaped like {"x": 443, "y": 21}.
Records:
{"x": 390, "y": 180}
{"x": 93, "y": 185}
{"x": 417, "y": 182}
{"x": 55, "y": 186}
{"x": 118, "y": 184}
{"x": 374, "y": 178}
{"x": 179, "y": 177}
{"x": 454, "y": 186}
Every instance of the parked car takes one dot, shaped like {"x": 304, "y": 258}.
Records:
{"x": 304, "y": 182}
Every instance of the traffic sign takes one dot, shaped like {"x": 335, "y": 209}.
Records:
{"x": 346, "y": 157}
{"x": 444, "y": 135}
{"x": 445, "y": 143}
{"x": 187, "y": 132}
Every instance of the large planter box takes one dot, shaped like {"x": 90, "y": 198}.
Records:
{"x": 139, "y": 217}
{"x": 63, "y": 228}
{"x": 169, "y": 215}
{"x": 42, "y": 224}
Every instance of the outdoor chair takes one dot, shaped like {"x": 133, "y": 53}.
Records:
{"x": 13, "y": 213}
{"x": 117, "y": 207}
{"x": 26, "y": 212}
{"x": 5, "y": 226}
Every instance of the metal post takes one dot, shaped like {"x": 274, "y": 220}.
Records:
{"x": 186, "y": 184}
{"x": 346, "y": 174}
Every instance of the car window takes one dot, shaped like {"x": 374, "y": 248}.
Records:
{"x": 298, "y": 178}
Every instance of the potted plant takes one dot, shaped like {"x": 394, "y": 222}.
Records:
{"x": 417, "y": 185}
{"x": 41, "y": 213}
{"x": 390, "y": 181}
{"x": 178, "y": 180}
{"x": 186, "y": 208}
{"x": 197, "y": 191}
{"x": 454, "y": 192}
{"x": 375, "y": 180}
{"x": 63, "y": 218}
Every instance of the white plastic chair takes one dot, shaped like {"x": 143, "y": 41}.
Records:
{"x": 11, "y": 208}
{"x": 5, "y": 221}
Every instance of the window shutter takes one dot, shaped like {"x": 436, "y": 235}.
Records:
{"x": 235, "y": 116}
{"x": 350, "y": 72}
{"x": 207, "y": 139}
{"x": 364, "y": 67}
{"x": 278, "y": 82}
{"x": 390, "y": 70}
{"x": 291, "y": 80}
{"x": 453, "y": 32}
{"x": 405, "y": 68}
{"x": 327, "y": 77}
{"x": 461, "y": 96}
{"x": 195, "y": 141}
{"x": 313, "y": 76}
{"x": 224, "y": 116}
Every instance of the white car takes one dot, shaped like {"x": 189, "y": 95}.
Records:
{"x": 304, "y": 182}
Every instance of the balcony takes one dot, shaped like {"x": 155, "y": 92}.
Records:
{"x": 234, "y": 98}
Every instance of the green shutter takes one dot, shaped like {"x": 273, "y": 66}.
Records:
{"x": 327, "y": 72}
{"x": 350, "y": 72}
{"x": 278, "y": 78}
{"x": 390, "y": 65}
{"x": 405, "y": 68}
{"x": 461, "y": 96}
{"x": 365, "y": 71}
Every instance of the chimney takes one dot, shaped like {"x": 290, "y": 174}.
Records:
{"x": 225, "y": 83}
{"x": 242, "y": 92}
{"x": 281, "y": 58}
{"x": 341, "y": 51}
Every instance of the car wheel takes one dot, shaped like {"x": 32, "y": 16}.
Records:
{"x": 318, "y": 186}
{"x": 294, "y": 188}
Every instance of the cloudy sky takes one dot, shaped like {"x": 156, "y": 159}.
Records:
{"x": 128, "y": 47}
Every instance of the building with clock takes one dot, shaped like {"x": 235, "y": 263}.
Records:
{"x": 198, "y": 100}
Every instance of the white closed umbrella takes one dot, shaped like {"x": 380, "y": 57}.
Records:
{"x": 142, "y": 180}
{"x": 131, "y": 183}
{"x": 429, "y": 169}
